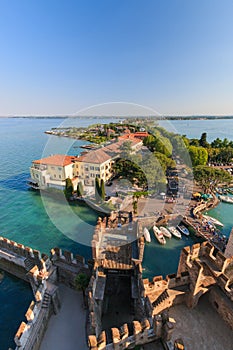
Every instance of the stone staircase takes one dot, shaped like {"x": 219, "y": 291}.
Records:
{"x": 161, "y": 298}
{"x": 46, "y": 301}
{"x": 30, "y": 263}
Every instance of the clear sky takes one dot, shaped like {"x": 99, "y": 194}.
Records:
{"x": 58, "y": 56}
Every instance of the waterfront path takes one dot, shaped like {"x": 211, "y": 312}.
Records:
{"x": 66, "y": 330}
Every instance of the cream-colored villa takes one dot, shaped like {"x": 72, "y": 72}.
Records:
{"x": 51, "y": 172}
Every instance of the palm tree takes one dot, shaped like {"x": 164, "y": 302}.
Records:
{"x": 81, "y": 283}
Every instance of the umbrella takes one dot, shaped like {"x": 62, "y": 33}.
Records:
{"x": 204, "y": 196}
{"x": 196, "y": 194}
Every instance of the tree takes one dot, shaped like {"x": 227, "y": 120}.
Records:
{"x": 81, "y": 283}
{"x": 126, "y": 149}
{"x": 69, "y": 188}
{"x": 209, "y": 178}
{"x": 135, "y": 206}
{"x": 80, "y": 189}
{"x": 198, "y": 155}
{"x": 203, "y": 140}
{"x": 102, "y": 189}
{"x": 97, "y": 189}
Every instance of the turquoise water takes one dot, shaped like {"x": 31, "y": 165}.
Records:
{"x": 24, "y": 219}
{"x": 22, "y": 214}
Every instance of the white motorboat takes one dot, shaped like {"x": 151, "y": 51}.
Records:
{"x": 226, "y": 199}
{"x": 213, "y": 220}
{"x": 183, "y": 230}
{"x": 174, "y": 231}
{"x": 146, "y": 234}
{"x": 165, "y": 232}
{"x": 159, "y": 235}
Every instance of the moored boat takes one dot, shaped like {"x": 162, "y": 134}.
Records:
{"x": 158, "y": 234}
{"x": 213, "y": 220}
{"x": 146, "y": 234}
{"x": 226, "y": 199}
{"x": 183, "y": 230}
{"x": 174, "y": 231}
{"x": 165, "y": 232}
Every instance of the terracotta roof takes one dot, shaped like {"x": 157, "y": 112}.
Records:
{"x": 57, "y": 159}
{"x": 129, "y": 137}
{"x": 141, "y": 134}
{"x": 97, "y": 157}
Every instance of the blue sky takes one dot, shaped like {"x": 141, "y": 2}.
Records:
{"x": 59, "y": 56}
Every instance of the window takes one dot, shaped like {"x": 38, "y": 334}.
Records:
{"x": 60, "y": 169}
{"x": 86, "y": 169}
{"x": 55, "y": 176}
{"x": 98, "y": 175}
{"x": 59, "y": 176}
{"x": 37, "y": 176}
{"x": 52, "y": 167}
{"x": 97, "y": 168}
{"x": 92, "y": 168}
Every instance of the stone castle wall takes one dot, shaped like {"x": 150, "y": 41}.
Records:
{"x": 146, "y": 331}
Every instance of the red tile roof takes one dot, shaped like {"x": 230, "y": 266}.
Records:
{"x": 57, "y": 160}
{"x": 141, "y": 134}
{"x": 97, "y": 157}
{"x": 129, "y": 137}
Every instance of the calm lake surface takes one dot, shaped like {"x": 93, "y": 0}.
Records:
{"x": 23, "y": 217}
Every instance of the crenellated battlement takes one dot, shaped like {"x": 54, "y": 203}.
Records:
{"x": 138, "y": 333}
{"x": 19, "y": 249}
{"x": 66, "y": 257}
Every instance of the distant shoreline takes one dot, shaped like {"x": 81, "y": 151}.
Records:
{"x": 197, "y": 117}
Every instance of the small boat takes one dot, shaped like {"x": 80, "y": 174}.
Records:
{"x": 183, "y": 230}
{"x": 146, "y": 234}
{"x": 174, "y": 231}
{"x": 226, "y": 199}
{"x": 165, "y": 232}
{"x": 159, "y": 235}
{"x": 213, "y": 220}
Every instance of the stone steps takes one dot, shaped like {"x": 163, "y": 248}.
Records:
{"x": 46, "y": 301}
{"x": 161, "y": 298}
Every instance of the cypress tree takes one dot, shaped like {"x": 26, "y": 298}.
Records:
{"x": 97, "y": 189}
{"x": 102, "y": 189}
{"x": 80, "y": 189}
{"x": 69, "y": 189}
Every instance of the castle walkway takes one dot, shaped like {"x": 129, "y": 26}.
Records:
{"x": 66, "y": 330}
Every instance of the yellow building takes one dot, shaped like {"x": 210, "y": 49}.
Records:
{"x": 52, "y": 172}
{"x": 94, "y": 164}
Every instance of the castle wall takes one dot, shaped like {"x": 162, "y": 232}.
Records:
{"x": 229, "y": 248}
{"x": 222, "y": 304}
{"x": 146, "y": 331}
{"x": 15, "y": 270}
{"x": 68, "y": 266}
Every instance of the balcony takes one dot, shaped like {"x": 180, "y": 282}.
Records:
{"x": 39, "y": 167}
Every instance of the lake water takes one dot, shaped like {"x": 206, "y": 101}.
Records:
{"x": 23, "y": 217}
{"x": 194, "y": 128}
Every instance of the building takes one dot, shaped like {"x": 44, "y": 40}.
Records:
{"x": 51, "y": 172}
{"x": 94, "y": 164}
{"x": 54, "y": 170}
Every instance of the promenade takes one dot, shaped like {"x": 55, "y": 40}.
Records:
{"x": 66, "y": 330}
